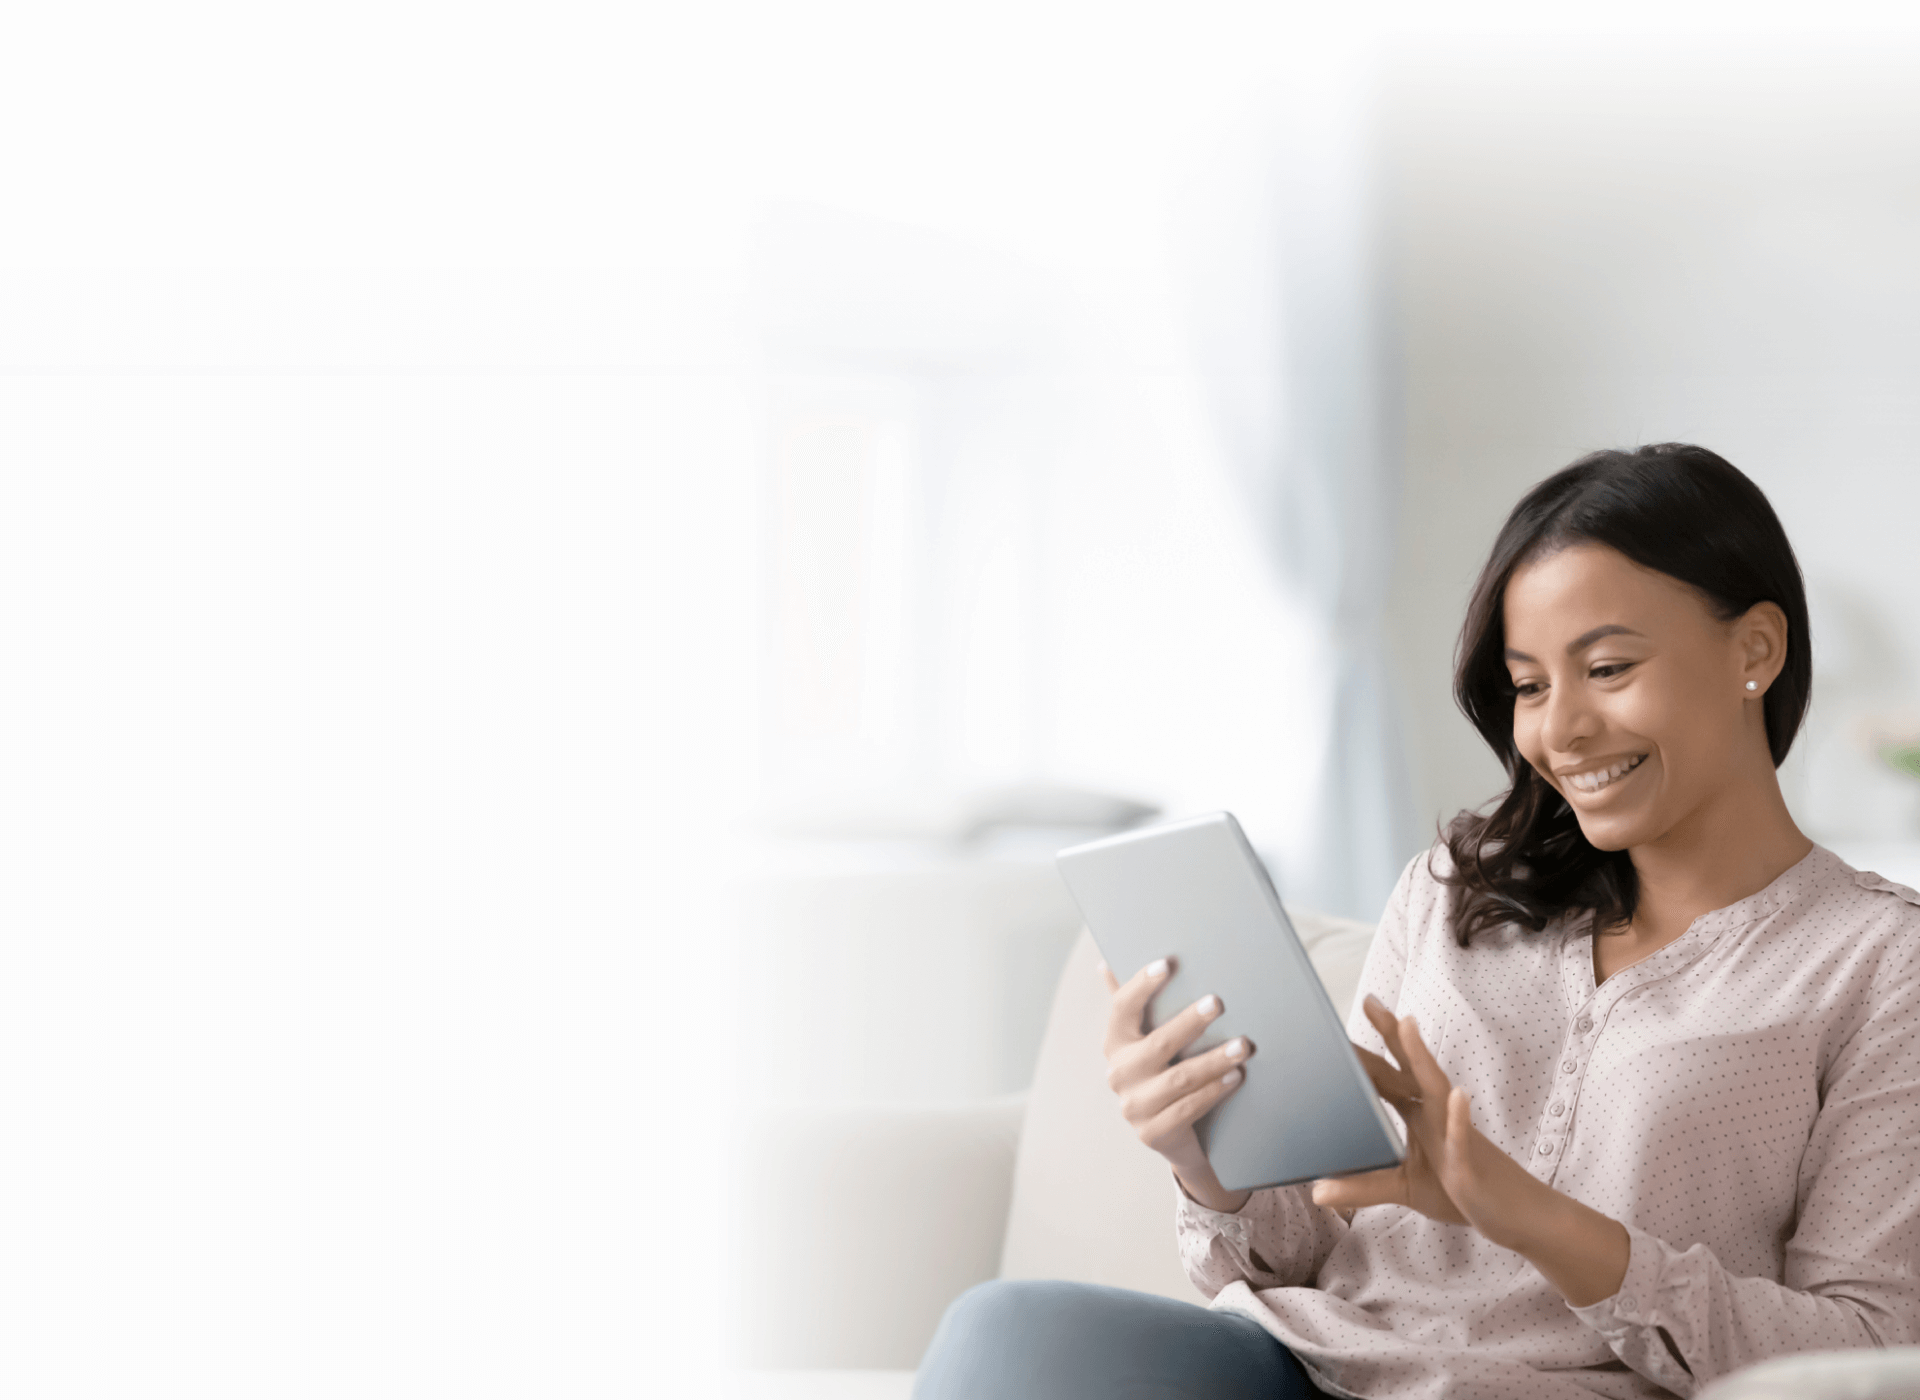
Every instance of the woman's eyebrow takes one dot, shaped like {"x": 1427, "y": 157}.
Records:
{"x": 1583, "y": 641}
{"x": 1588, "y": 638}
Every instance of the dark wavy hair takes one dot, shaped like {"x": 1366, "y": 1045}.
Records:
{"x": 1677, "y": 509}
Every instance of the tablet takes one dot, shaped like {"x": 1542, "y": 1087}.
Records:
{"x": 1194, "y": 890}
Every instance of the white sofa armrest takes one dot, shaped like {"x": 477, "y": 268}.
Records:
{"x": 852, "y": 1229}
{"x": 1892, "y": 1374}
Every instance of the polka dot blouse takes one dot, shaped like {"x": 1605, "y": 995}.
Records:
{"x": 1746, "y": 1100}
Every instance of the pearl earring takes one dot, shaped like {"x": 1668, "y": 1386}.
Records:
{"x": 1753, "y": 685}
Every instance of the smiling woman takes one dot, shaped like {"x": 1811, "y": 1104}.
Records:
{"x": 1652, "y": 1047}
{"x": 1636, "y": 607}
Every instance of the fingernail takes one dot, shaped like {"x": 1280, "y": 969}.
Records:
{"x": 1237, "y": 1049}
{"x": 1209, "y": 1005}
{"x": 1231, "y": 1078}
{"x": 1157, "y": 968}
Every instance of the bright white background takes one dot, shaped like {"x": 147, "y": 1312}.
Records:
{"x": 379, "y": 453}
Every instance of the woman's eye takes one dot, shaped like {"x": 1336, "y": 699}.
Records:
{"x": 1610, "y": 670}
{"x": 1527, "y": 689}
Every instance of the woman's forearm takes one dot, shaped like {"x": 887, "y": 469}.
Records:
{"x": 1581, "y": 1252}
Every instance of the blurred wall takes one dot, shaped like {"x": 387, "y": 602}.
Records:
{"x": 1601, "y": 247}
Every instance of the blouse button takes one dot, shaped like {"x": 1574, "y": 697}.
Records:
{"x": 1625, "y": 1302}
{"x": 1545, "y": 1149}
{"x": 1568, "y": 1066}
{"x": 1556, "y": 1108}
{"x": 1584, "y": 1025}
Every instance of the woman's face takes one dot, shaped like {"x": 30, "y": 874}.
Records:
{"x": 1631, "y": 695}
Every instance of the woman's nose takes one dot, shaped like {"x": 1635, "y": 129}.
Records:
{"x": 1569, "y": 718}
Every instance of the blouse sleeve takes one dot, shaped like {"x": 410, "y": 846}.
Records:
{"x": 1280, "y": 1238}
{"x": 1682, "y": 1320}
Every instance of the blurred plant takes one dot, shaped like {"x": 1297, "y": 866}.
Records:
{"x": 1902, "y": 758}
{"x": 1895, "y": 740}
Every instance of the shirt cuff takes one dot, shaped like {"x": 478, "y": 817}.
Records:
{"x": 1233, "y": 1225}
{"x": 1634, "y": 1305}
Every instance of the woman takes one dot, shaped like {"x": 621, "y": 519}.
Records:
{"x": 1658, "y": 1054}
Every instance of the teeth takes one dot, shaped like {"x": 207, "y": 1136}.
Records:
{"x": 1602, "y": 777}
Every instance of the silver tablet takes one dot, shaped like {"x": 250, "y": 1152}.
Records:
{"x": 1195, "y": 891}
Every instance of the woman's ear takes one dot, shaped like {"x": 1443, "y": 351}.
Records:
{"x": 1761, "y": 634}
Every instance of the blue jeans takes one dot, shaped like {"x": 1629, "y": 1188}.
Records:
{"x": 1022, "y": 1340}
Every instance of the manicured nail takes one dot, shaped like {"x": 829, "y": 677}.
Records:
{"x": 1208, "y": 1006}
{"x": 1237, "y": 1049}
{"x": 1157, "y": 968}
{"x": 1231, "y": 1078}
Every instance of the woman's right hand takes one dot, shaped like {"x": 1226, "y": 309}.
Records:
{"x": 1161, "y": 1100}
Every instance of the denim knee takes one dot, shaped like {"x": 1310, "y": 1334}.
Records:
{"x": 1042, "y": 1339}
{"x": 987, "y": 1305}
{"x": 985, "y": 1333}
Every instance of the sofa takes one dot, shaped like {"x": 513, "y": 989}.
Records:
{"x": 858, "y": 1226}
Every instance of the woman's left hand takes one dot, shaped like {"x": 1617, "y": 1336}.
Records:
{"x": 1454, "y": 1172}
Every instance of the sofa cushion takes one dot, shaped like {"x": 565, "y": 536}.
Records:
{"x": 1089, "y": 1202}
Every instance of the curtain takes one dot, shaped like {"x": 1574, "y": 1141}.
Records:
{"x": 1294, "y": 353}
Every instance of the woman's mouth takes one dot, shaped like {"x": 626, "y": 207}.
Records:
{"x": 1599, "y": 779}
